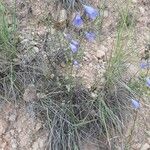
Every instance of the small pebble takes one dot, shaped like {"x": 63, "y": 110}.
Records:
{"x": 136, "y": 146}
{"x": 94, "y": 95}
{"x": 148, "y": 140}
{"x": 35, "y": 49}
{"x": 142, "y": 10}
{"x": 38, "y": 126}
{"x": 12, "y": 117}
{"x": 146, "y": 146}
{"x": 106, "y": 13}
{"x": 30, "y": 93}
{"x": 134, "y": 1}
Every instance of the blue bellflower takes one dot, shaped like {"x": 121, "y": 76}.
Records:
{"x": 135, "y": 104}
{"x": 145, "y": 65}
{"x": 91, "y": 12}
{"x": 148, "y": 82}
{"x": 74, "y": 48}
{"x": 74, "y": 45}
{"x": 75, "y": 63}
{"x": 90, "y": 36}
{"x": 77, "y": 22}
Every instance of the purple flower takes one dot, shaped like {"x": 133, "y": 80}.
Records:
{"x": 77, "y": 22}
{"x": 145, "y": 65}
{"x": 75, "y": 63}
{"x": 73, "y": 48}
{"x": 135, "y": 104}
{"x": 91, "y": 12}
{"x": 90, "y": 36}
{"x": 148, "y": 82}
{"x": 74, "y": 45}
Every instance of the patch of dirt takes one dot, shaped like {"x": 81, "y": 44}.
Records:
{"x": 93, "y": 65}
{"x": 19, "y": 129}
{"x": 138, "y": 132}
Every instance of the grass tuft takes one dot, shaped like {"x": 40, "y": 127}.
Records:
{"x": 7, "y": 45}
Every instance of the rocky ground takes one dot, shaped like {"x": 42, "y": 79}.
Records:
{"x": 19, "y": 128}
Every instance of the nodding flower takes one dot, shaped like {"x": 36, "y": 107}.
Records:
{"x": 77, "y": 22}
{"x": 135, "y": 104}
{"x": 91, "y": 12}
{"x": 90, "y": 36}
{"x": 75, "y": 63}
{"x": 145, "y": 65}
{"x": 148, "y": 82}
{"x": 74, "y": 45}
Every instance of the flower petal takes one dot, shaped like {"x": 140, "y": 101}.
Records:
{"x": 90, "y": 36}
{"x": 148, "y": 82}
{"x": 75, "y": 63}
{"x": 75, "y": 43}
{"x": 91, "y": 12}
{"x": 145, "y": 65}
{"x": 135, "y": 104}
{"x": 74, "y": 48}
{"x": 77, "y": 22}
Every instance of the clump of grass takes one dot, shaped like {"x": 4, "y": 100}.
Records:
{"x": 127, "y": 19}
{"x": 74, "y": 117}
{"x": 7, "y": 47}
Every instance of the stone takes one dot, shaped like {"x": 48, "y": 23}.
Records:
{"x": 52, "y": 30}
{"x": 3, "y": 145}
{"x": 3, "y": 126}
{"x": 106, "y": 13}
{"x": 148, "y": 140}
{"x": 146, "y": 146}
{"x": 94, "y": 95}
{"x": 24, "y": 41}
{"x": 101, "y": 50}
{"x": 100, "y": 54}
{"x": 35, "y": 146}
{"x": 41, "y": 95}
{"x": 62, "y": 15}
{"x": 14, "y": 144}
{"x": 29, "y": 55}
{"x": 148, "y": 133}
{"x": 93, "y": 113}
{"x": 136, "y": 146}
{"x": 142, "y": 10}
{"x": 12, "y": 117}
{"x": 12, "y": 132}
{"x": 134, "y": 1}
{"x": 30, "y": 93}
{"x": 38, "y": 126}
{"x": 40, "y": 143}
{"x": 36, "y": 49}
{"x": 89, "y": 146}
{"x": 34, "y": 43}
